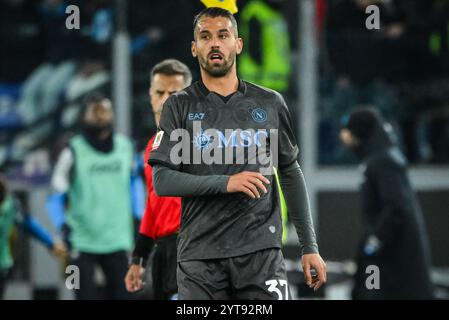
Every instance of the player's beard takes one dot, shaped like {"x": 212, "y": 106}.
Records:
{"x": 217, "y": 71}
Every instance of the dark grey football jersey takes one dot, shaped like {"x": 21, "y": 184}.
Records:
{"x": 201, "y": 134}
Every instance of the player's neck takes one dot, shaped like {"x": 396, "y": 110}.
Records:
{"x": 224, "y": 86}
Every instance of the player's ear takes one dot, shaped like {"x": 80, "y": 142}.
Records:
{"x": 239, "y": 44}
{"x": 193, "y": 49}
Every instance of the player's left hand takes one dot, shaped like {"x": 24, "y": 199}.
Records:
{"x": 313, "y": 261}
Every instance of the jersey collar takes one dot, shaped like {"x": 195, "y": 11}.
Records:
{"x": 206, "y": 91}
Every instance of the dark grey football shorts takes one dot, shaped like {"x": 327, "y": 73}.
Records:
{"x": 259, "y": 275}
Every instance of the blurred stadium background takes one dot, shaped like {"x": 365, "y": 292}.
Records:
{"x": 335, "y": 64}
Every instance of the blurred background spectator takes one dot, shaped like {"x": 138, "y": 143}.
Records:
{"x": 266, "y": 60}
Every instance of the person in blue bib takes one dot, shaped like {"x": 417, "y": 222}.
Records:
{"x": 92, "y": 181}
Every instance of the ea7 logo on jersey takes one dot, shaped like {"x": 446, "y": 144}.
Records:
{"x": 157, "y": 140}
{"x": 196, "y": 116}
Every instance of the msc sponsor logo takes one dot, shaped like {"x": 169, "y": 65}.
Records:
{"x": 230, "y": 138}
{"x": 242, "y": 138}
{"x": 228, "y": 146}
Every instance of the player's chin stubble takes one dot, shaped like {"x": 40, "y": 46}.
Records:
{"x": 217, "y": 71}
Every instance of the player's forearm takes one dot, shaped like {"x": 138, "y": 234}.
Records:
{"x": 172, "y": 183}
{"x": 295, "y": 193}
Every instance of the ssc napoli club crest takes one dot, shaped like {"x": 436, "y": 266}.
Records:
{"x": 259, "y": 115}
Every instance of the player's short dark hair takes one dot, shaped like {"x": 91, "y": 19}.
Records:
{"x": 3, "y": 189}
{"x": 172, "y": 67}
{"x": 214, "y": 12}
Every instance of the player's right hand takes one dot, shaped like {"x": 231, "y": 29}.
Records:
{"x": 313, "y": 261}
{"x": 133, "y": 279}
{"x": 248, "y": 182}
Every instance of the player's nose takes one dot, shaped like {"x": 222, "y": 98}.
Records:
{"x": 215, "y": 43}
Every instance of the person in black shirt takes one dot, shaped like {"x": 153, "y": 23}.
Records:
{"x": 219, "y": 143}
{"x": 394, "y": 236}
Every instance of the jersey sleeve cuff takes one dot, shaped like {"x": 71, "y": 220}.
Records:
{"x": 144, "y": 245}
{"x": 313, "y": 248}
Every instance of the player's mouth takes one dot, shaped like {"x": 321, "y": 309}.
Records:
{"x": 216, "y": 57}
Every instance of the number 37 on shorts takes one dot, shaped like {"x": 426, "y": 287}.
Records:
{"x": 278, "y": 288}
